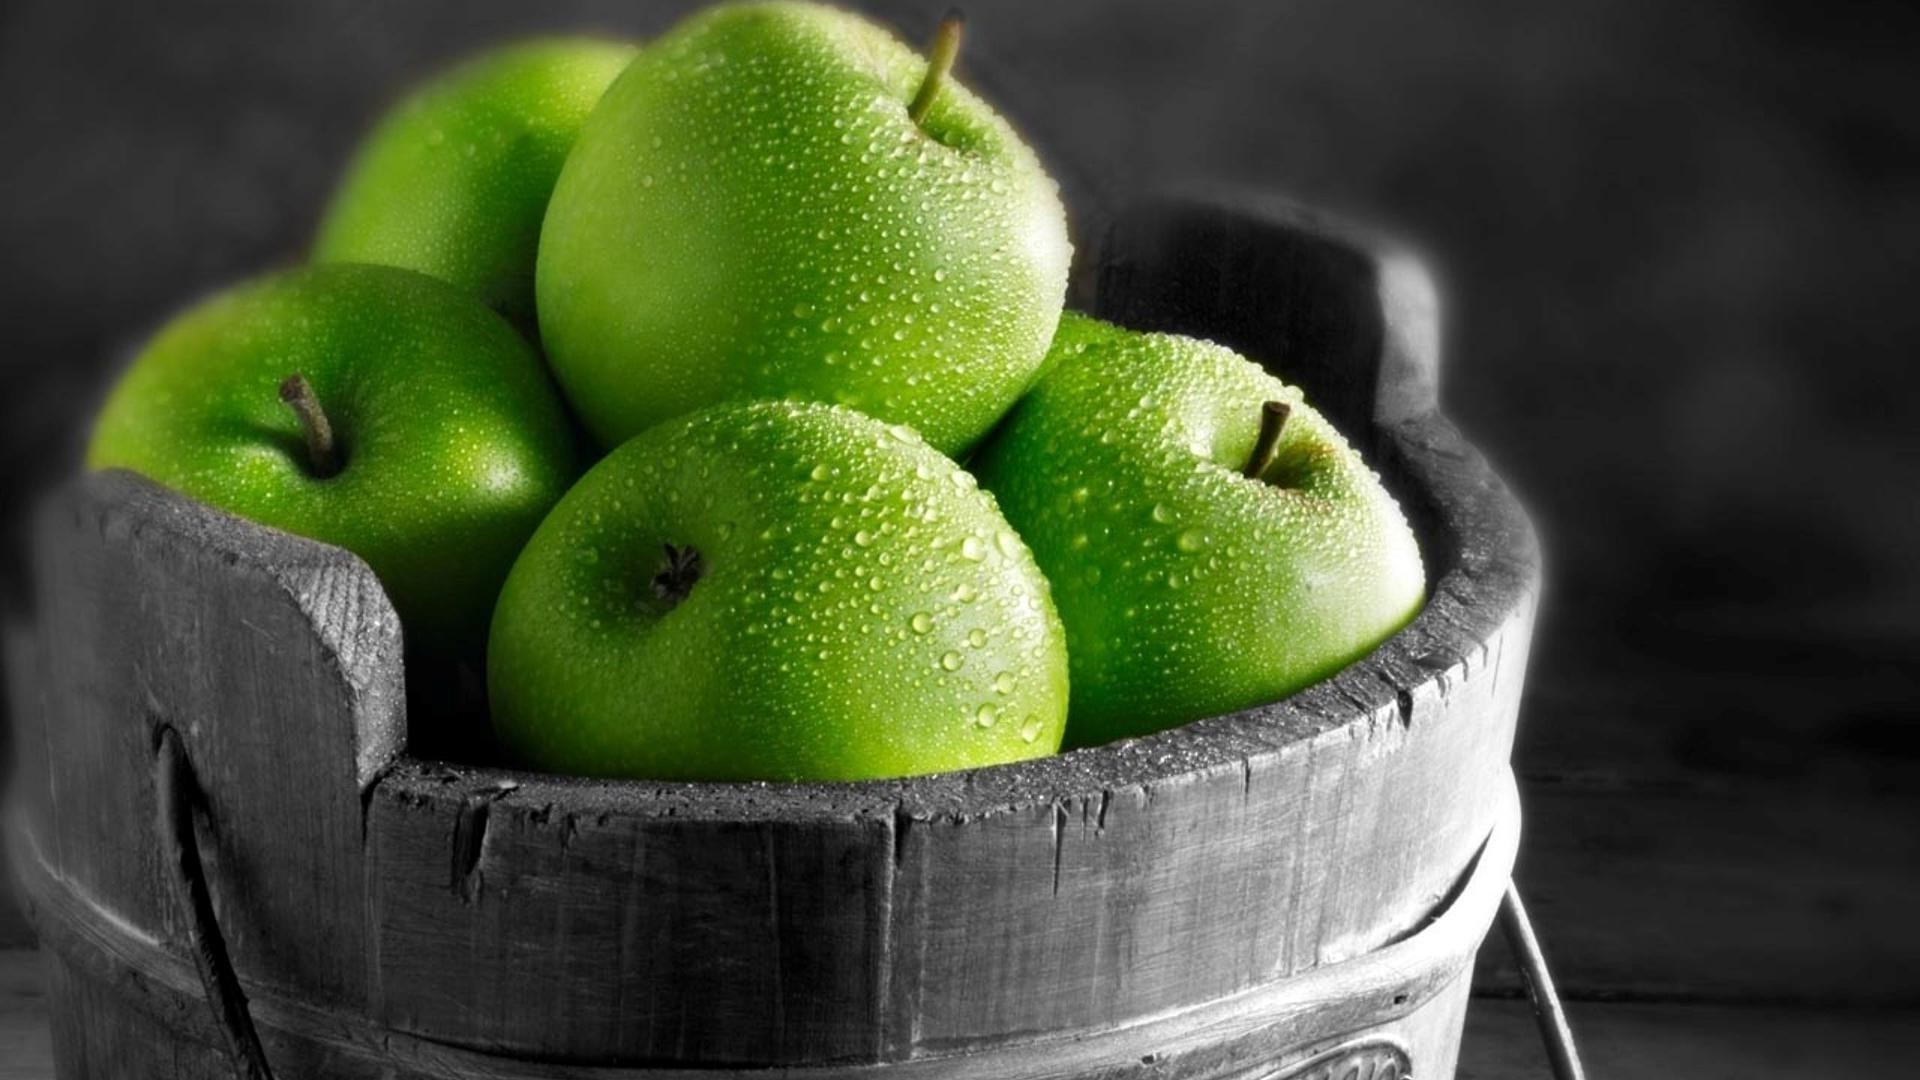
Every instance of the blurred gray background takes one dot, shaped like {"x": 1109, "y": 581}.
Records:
{"x": 1680, "y": 245}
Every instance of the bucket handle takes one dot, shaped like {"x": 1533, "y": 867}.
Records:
{"x": 1555, "y": 1033}
{"x": 177, "y": 795}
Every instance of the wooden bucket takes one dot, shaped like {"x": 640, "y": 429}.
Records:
{"x": 212, "y": 765}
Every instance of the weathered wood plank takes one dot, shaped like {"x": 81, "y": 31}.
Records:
{"x": 540, "y": 916}
{"x": 1407, "y": 996}
{"x": 277, "y": 661}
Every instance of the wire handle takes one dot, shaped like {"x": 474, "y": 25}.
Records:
{"x": 177, "y": 794}
{"x": 1555, "y": 1033}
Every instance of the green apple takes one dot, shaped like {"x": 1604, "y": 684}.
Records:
{"x": 775, "y": 591}
{"x": 454, "y": 181}
{"x": 780, "y": 200}
{"x": 1210, "y": 551}
{"x": 365, "y": 406}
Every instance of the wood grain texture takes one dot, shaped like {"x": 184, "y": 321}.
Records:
{"x": 468, "y": 916}
{"x": 1408, "y": 995}
{"x": 277, "y": 661}
{"x": 550, "y": 916}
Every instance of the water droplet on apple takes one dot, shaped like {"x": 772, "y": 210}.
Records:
{"x": 1162, "y": 513}
{"x": 863, "y": 538}
{"x": 1030, "y": 727}
{"x": 985, "y": 715}
{"x": 820, "y": 472}
{"x": 951, "y": 661}
{"x": 976, "y": 637}
{"x": 1191, "y": 541}
{"x": 1003, "y": 683}
{"x": 1008, "y": 543}
{"x": 972, "y": 549}
{"x": 921, "y": 622}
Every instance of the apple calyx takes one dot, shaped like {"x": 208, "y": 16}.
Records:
{"x": 1273, "y": 417}
{"x": 940, "y": 56}
{"x": 323, "y": 453}
{"x": 676, "y": 579}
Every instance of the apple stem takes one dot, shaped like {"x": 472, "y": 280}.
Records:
{"x": 946, "y": 46}
{"x": 676, "y": 579}
{"x": 1273, "y": 417}
{"x": 322, "y": 454}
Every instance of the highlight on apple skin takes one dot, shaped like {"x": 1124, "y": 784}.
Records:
{"x": 776, "y": 591}
{"x": 1199, "y": 568}
{"x": 756, "y": 211}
